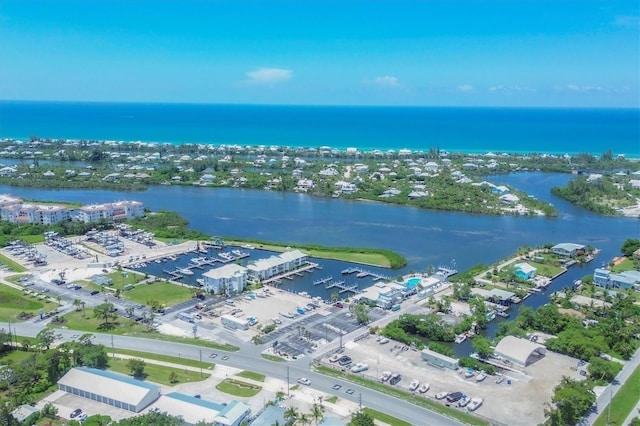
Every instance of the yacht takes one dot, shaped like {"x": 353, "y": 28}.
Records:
{"x": 424, "y": 388}
{"x": 464, "y": 401}
{"x": 460, "y": 338}
{"x": 480, "y": 377}
{"x": 185, "y": 271}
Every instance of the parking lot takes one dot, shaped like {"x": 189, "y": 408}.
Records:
{"x": 515, "y": 403}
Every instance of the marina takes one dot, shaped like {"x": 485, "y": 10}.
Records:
{"x": 363, "y": 273}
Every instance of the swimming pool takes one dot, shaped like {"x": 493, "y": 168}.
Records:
{"x": 413, "y": 282}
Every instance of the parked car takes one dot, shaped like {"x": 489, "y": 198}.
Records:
{"x": 304, "y": 381}
{"x": 335, "y": 358}
{"x": 414, "y": 385}
{"x": 344, "y": 360}
{"x": 94, "y": 292}
{"x": 386, "y": 375}
{"x": 383, "y": 341}
{"x": 442, "y": 395}
{"x": 359, "y": 368}
{"x": 395, "y": 378}
{"x": 75, "y": 413}
{"x": 474, "y": 404}
{"x": 454, "y": 396}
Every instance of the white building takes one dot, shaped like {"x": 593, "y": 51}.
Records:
{"x": 120, "y": 210}
{"x": 32, "y": 213}
{"x": 109, "y": 388}
{"x": 266, "y": 268}
{"x": 231, "y": 278}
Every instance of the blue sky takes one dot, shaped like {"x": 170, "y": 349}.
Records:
{"x": 392, "y": 52}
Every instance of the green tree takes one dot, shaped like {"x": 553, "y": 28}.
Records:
{"x": 291, "y": 414}
{"x": 361, "y": 311}
{"x": 602, "y": 369}
{"x": 173, "y": 377}
{"x": 49, "y": 410}
{"x": 106, "y": 312}
{"x": 572, "y": 399}
{"x": 46, "y": 337}
{"x": 482, "y": 346}
{"x": 136, "y": 366}
{"x": 317, "y": 412}
{"x": 361, "y": 418}
{"x": 629, "y": 246}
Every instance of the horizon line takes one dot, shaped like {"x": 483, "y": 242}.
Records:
{"x": 315, "y": 105}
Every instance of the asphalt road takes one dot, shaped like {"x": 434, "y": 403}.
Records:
{"x": 249, "y": 358}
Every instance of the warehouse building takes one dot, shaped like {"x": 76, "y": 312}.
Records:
{"x": 109, "y": 388}
{"x": 520, "y": 352}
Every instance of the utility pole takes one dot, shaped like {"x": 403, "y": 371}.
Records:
{"x": 288, "y": 390}
{"x": 360, "y": 401}
{"x": 10, "y": 335}
{"x": 200, "y": 363}
{"x": 113, "y": 349}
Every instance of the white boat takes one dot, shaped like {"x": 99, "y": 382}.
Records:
{"x": 424, "y": 388}
{"x": 200, "y": 281}
{"x": 480, "y": 377}
{"x": 464, "y": 401}
{"x": 414, "y": 385}
{"x": 185, "y": 271}
{"x": 442, "y": 395}
{"x": 474, "y": 404}
{"x": 386, "y": 375}
{"x": 468, "y": 374}
{"x": 460, "y": 338}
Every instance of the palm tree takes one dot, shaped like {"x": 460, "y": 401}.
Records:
{"x": 303, "y": 418}
{"x": 291, "y": 414}
{"x": 78, "y": 304}
{"x": 317, "y": 412}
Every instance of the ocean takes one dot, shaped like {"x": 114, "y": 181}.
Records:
{"x": 470, "y": 130}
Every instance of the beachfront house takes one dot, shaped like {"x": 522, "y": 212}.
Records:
{"x": 611, "y": 280}
{"x": 568, "y": 249}
{"x": 524, "y": 271}
{"x": 228, "y": 279}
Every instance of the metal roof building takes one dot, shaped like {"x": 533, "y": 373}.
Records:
{"x": 110, "y": 388}
{"x": 521, "y": 352}
{"x": 193, "y": 410}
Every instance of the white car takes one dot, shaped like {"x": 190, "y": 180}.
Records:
{"x": 424, "y": 388}
{"x": 442, "y": 395}
{"x": 414, "y": 385}
{"x": 383, "y": 341}
{"x": 304, "y": 381}
{"x": 335, "y": 358}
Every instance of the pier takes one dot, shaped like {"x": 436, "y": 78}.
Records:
{"x": 362, "y": 273}
{"x": 277, "y": 279}
{"x": 322, "y": 281}
{"x": 446, "y": 272}
{"x": 343, "y": 288}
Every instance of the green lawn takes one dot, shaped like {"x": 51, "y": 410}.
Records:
{"x": 14, "y": 356}
{"x": 332, "y": 400}
{"x": 238, "y": 388}
{"x": 187, "y": 340}
{"x": 272, "y": 358}
{"x": 251, "y": 375}
{"x": 14, "y": 266}
{"x": 162, "y": 292}
{"x": 160, "y": 373}
{"x": 625, "y": 265}
{"x": 390, "y": 420}
{"x": 122, "y": 278}
{"x": 166, "y": 358}
{"x": 77, "y": 320}
{"x": 13, "y": 302}
{"x": 546, "y": 270}
{"x": 623, "y": 402}
{"x": 461, "y": 416}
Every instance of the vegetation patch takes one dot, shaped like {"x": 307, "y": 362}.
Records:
{"x": 251, "y": 375}
{"x": 375, "y": 257}
{"x": 162, "y": 292}
{"x": 273, "y": 357}
{"x": 13, "y": 303}
{"x": 160, "y": 374}
{"x": 165, "y": 358}
{"x": 623, "y": 402}
{"x": 461, "y": 416}
{"x": 546, "y": 270}
{"x": 385, "y": 418}
{"x": 11, "y": 264}
{"x": 332, "y": 400}
{"x": 168, "y": 225}
{"x": 238, "y": 388}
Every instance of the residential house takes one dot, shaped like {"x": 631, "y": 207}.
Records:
{"x": 568, "y": 249}
{"x": 524, "y": 271}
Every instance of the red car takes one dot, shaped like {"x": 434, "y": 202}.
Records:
{"x": 338, "y": 305}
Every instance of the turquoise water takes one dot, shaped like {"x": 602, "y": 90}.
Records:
{"x": 412, "y": 283}
{"x": 526, "y": 130}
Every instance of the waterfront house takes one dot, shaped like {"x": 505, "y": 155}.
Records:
{"x": 568, "y": 249}
{"x": 264, "y": 269}
{"x": 509, "y": 198}
{"x": 230, "y": 278}
{"x": 610, "y": 280}
{"x": 524, "y": 271}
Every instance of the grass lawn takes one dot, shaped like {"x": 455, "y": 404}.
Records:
{"x": 251, "y": 375}
{"x": 272, "y": 358}
{"x": 332, "y": 400}
{"x": 238, "y": 388}
{"x": 14, "y": 356}
{"x": 188, "y": 340}
{"x": 438, "y": 407}
{"x": 14, "y": 266}
{"x": 32, "y": 239}
{"x": 390, "y": 420}
{"x": 623, "y": 402}
{"x": 159, "y": 373}
{"x": 13, "y": 302}
{"x": 76, "y": 320}
{"x": 374, "y": 259}
{"x": 625, "y": 265}
{"x": 120, "y": 279}
{"x": 162, "y": 292}
{"x": 166, "y": 358}
{"x": 546, "y": 270}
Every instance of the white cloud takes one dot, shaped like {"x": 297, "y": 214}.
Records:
{"x": 385, "y": 81}
{"x": 509, "y": 89}
{"x": 466, "y": 88}
{"x": 583, "y": 89}
{"x": 268, "y": 76}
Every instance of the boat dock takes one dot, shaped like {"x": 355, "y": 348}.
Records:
{"x": 446, "y": 272}
{"x": 362, "y": 273}
{"x": 343, "y": 288}
{"x": 322, "y": 281}
{"x": 175, "y": 275}
{"x": 277, "y": 279}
